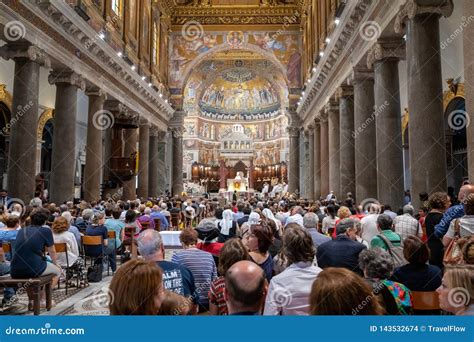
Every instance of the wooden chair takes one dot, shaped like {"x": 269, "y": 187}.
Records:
{"x": 175, "y": 221}
{"x": 112, "y": 236}
{"x": 90, "y": 241}
{"x": 130, "y": 234}
{"x": 145, "y": 225}
{"x": 62, "y": 248}
{"x": 7, "y": 247}
{"x": 157, "y": 222}
{"x": 423, "y": 301}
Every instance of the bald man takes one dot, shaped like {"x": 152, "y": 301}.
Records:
{"x": 455, "y": 211}
{"x": 245, "y": 288}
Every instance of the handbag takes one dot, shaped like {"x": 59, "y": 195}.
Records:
{"x": 453, "y": 254}
{"x": 94, "y": 273}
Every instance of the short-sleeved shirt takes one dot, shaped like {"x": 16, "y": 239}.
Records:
{"x": 393, "y": 237}
{"x": 466, "y": 227}
{"x": 179, "y": 279}
{"x": 203, "y": 268}
{"x": 115, "y": 226}
{"x": 28, "y": 257}
{"x": 94, "y": 230}
{"x": 216, "y": 296}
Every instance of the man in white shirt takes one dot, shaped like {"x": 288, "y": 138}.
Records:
{"x": 369, "y": 223}
{"x": 288, "y": 293}
{"x": 406, "y": 224}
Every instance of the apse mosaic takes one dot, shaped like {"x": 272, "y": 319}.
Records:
{"x": 285, "y": 47}
{"x": 236, "y": 90}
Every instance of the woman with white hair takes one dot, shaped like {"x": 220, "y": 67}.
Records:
{"x": 254, "y": 218}
{"x": 72, "y": 229}
{"x": 227, "y": 226}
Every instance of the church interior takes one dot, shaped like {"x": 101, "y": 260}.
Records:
{"x": 108, "y": 101}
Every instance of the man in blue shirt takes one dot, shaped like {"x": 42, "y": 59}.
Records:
{"x": 456, "y": 211}
{"x": 156, "y": 214}
{"x": 176, "y": 278}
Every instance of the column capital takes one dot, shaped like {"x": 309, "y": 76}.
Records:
{"x": 413, "y": 8}
{"x": 310, "y": 128}
{"x": 331, "y": 107}
{"x": 24, "y": 50}
{"x": 143, "y": 122}
{"x": 178, "y": 118}
{"x": 293, "y": 131}
{"x": 93, "y": 91}
{"x": 360, "y": 74}
{"x": 177, "y": 132}
{"x": 317, "y": 122}
{"x": 344, "y": 91}
{"x": 386, "y": 49}
{"x": 67, "y": 76}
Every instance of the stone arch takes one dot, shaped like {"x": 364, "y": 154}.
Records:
{"x": 224, "y": 47}
{"x": 44, "y": 117}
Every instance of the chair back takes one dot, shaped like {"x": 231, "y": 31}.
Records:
{"x": 157, "y": 222}
{"x": 130, "y": 231}
{"x": 425, "y": 300}
{"x": 60, "y": 247}
{"x": 91, "y": 240}
{"x": 7, "y": 247}
{"x": 145, "y": 224}
{"x": 175, "y": 220}
{"x": 111, "y": 234}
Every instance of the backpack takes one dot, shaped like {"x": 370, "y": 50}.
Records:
{"x": 402, "y": 296}
{"x": 396, "y": 252}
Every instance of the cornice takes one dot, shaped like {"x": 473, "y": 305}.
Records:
{"x": 61, "y": 18}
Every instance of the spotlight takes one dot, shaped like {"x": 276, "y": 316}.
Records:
{"x": 133, "y": 67}
{"x": 120, "y": 54}
{"x": 337, "y": 21}
{"x": 328, "y": 40}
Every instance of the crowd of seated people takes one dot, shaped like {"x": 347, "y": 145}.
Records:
{"x": 252, "y": 256}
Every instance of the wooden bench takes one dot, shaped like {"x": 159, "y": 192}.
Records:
{"x": 35, "y": 284}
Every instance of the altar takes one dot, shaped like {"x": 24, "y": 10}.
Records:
{"x": 239, "y": 183}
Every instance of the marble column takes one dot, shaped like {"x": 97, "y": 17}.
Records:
{"x": 384, "y": 57}
{"x": 425, "y": 94}
{"x": 162, "y": 174}
{"x": 177, "y": 174}
{"x": 130, "y": 137}
{"x": 468, "y": 44}
{"x": 310, "y": 169}
{"x": 345, "y": 94}
{"x": 364, "y": 134}
{"x": 332, "y": 110}
{"x": 317, "y": 159}
{"x": 63, "y": 163}
{"x": 324, "y": 146}
{"x": 22, "y": 151}
{"x": 153, "y": 163}
{"x": 294, "y": 156}
{"x": 304, "y": 162}
{"x": 222, "y": 177}
{"x": 96, "y": 123}
{"x": 143, "y": 158}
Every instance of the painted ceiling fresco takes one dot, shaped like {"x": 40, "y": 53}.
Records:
{"x": 283, "y": 47}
